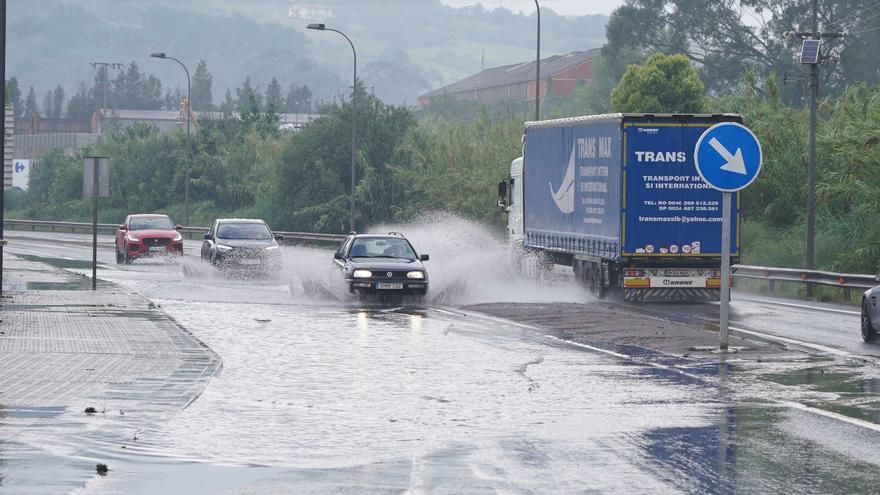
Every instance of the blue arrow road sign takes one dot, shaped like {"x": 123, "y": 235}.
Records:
{"x": 728, "y": 156}
{"x": 19, "y": 167}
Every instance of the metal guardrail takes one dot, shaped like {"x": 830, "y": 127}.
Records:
{"x": 186, "y": 232}
{"x": 845, "y": 281}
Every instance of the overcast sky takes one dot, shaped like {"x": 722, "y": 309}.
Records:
{"x": 566, "y": 7}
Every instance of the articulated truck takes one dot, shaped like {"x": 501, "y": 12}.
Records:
{"x": 618, "y": 198}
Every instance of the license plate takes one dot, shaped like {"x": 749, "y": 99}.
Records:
{"x": 386, "y": 285}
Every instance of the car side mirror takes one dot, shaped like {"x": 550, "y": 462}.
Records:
{"x": 502, "y": 189}
{"x": 337, "y": 256}
{"x": 208, "y": 236}
{"x": 424, "y": 257}
{"x": 178, "y": 226}
{"x": 279, "y": 237}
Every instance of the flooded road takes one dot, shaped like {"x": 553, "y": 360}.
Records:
{"x": 322, "y": 393}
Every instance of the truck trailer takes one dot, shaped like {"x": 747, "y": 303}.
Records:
{"x": 618, "y": 198}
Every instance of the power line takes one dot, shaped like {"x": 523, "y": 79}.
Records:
{"x": 866, "y": 30}
{"x": 855, "y": 17}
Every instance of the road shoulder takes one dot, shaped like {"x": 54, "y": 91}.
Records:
{"x": 67, "y": 350}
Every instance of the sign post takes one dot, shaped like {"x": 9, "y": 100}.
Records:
{"x": 728, "y": 157}
{"x": 96, "y": 183}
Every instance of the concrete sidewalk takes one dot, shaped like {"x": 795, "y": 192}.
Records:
{"x": 65, "y": 348}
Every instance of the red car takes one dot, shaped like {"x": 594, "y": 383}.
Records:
{"x": 147, "y": 235}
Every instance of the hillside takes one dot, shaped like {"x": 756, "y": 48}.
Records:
{"x": 404, "y": 48}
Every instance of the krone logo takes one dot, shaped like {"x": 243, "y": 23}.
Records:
{"x": 564, "y": 196}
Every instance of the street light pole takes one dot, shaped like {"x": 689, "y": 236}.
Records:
{"x": 538, "y": 68}
{"x": 322, "y": 27}
{"x": 188, "y": 144}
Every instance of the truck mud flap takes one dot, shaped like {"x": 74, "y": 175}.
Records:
{"x": 671, "y": 295}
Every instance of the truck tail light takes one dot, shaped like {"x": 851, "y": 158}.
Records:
{"x": 634, "y": 273}
{"x": 637, "y": 282}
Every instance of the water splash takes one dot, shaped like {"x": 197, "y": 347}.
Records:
{"x": 470, "y": 265}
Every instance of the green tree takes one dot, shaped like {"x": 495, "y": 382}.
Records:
{"x": 81, "y": 104}
{"x": 134, "y": 89}
{"x": 13, "y": 94}
{"x": 247, "y": 99}
{"x": 274, "y": 101}
{"x": 312, "y": 180}
{"x": 299, "y": 99}
{"x": 48, "y": 110}
{"x": 228, "y": 104}
{"x": 30, "y": 104}
{"x": 727, "y": 38}
{"x": 665, "y": 84}
{"x": 202, "y": 97}
{"x": 58, "y": 101}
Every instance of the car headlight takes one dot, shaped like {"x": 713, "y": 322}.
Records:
{"x": 131, "y": 238}
{"x": 362, "y": 274}
{"x": 221, "y": 247}
{"x": 415, "y": 274}
{"x": 271, "y": 248}
{"x": 178, "y": 237}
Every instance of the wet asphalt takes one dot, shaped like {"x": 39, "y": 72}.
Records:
{"x": 320, "y": 393}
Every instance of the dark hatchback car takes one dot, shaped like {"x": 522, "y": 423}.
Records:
{"x": 382, "y": 264}
{"x": 242, "y": 244}
{"x": 871, "y": 312}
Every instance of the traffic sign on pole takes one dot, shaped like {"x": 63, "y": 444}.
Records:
{"x": 728, "y": 157}
{"x": 96, "y": 183}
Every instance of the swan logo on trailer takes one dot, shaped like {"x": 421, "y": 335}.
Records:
{"x": 564, "y": 196}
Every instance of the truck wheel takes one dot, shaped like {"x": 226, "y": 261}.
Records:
{"x": 597, "y": 287}
{"x": 544, "y": 263}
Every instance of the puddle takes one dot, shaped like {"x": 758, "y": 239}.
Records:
{"x": 857, "y": 394}
{"x": 59, "y": 262}
{"x": 84, "y": 284}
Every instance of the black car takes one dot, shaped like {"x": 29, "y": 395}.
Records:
{"x": 385, "y": 264}
{"x": 242, "y": 244}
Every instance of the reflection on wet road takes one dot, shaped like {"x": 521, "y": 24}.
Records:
{"x": 320, "y": 393}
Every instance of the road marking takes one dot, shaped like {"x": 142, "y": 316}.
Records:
{"x": 802, "y": 306}
{"x": 447, "y": 312}
{"x": 39, "y": 254}
{"x": 829, "y": 414}
{"x": 817, "y": 347}
{"x": 583, "y": 346}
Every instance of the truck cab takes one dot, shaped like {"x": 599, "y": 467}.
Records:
{"x": 510, "y": 193}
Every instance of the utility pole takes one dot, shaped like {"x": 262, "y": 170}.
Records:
{"x": 106, "y": 66}
{"x": 813, "y": 34}
{"x": 811, "y": 167}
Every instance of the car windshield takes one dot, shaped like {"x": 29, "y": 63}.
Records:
{"x": 251, "y": 231}
{"x": 381, "y": 248}
{"x": 151, "y": 223}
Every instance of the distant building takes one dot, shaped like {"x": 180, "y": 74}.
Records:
{"x": 166, "y": 120}
{"x": 35, "y": 136}
{"x": 560, "y": 74}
